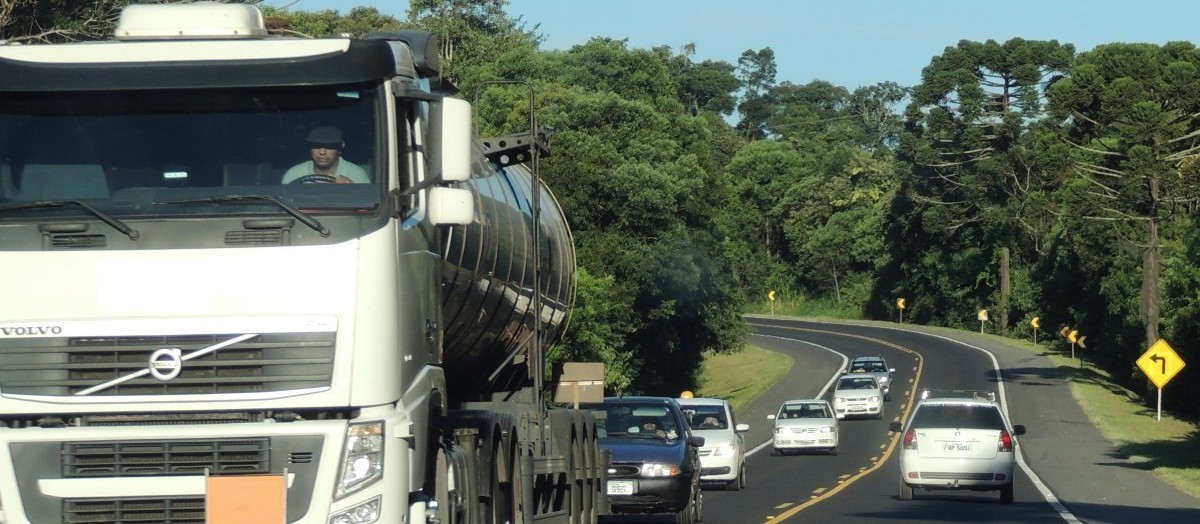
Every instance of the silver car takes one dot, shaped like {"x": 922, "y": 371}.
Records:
{"x": 723, "y": 455}
{"x": 958, "y": 442}
{"x": 857, "y": 396}
{"x": 877, "y": 367}
{"x": 804, "y": 425}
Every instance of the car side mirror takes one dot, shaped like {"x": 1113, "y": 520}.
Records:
{"x": 1018, "y": 430}
{"x": 771, "y": 417}
{"x": 695, "y": 441}
{"x": 742, "y": 428}
{"x": 896, "y": 427}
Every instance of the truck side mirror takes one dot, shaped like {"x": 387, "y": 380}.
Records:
{"x": 449, "y": 206}
{"x": 450, "y": 147}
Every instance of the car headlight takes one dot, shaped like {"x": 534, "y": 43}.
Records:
{"x": 780, "y": 431}
{"x": 723, "y": 450}
{"x": 362, "y": 457}
{"x": 838, "y": 400}
{"x": 660, "y": 470}
{"x": 883, "y": 380}
{"x": 827, "y": 429}
{"x": 874, "y": 399}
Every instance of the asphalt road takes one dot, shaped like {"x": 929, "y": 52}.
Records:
{"x": 1069, "y": 473}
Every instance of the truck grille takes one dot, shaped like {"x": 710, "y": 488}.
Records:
{"x": 265, "y": 363}
{"x": 95, "y": 462}
{"x": 141, "y": 458}
{"x": 121, "y": 511}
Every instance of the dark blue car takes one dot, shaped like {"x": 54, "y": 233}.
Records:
{"x": 655, "y": 458}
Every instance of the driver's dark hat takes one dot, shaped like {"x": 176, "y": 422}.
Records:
{"x": 326, "y": 136}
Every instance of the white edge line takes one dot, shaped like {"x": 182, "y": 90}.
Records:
{"x": 1037, "y": 481}
{"x": 820, "y": 394}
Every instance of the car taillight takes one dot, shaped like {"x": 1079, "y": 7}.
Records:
{"x": 1005, "y": 443}
{"x": 910, "y": 439}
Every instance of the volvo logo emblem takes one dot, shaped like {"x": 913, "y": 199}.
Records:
{"x": 166, "y": 363}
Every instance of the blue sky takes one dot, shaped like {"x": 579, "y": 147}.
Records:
{"x": 850, "y": 43}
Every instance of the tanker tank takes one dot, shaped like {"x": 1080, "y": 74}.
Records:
{"x": 488, "y": 284}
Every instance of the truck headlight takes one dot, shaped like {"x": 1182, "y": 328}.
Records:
{"x": 364, "y": 513}
{"x": 659, "y": 470}
{"x": 362, "y": 457}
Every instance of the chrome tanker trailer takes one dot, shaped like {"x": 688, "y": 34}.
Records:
{"x": 270, "y": 279}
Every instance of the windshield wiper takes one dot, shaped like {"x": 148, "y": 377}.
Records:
{"x": 291, "y": 210}
{"x": 105, "y": 217}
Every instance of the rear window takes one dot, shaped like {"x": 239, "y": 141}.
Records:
{"x": 951, "y": 416}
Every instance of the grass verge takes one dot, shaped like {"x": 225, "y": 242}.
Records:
{"x": 743, "y": 376}
{"x": 1169, "y": 447}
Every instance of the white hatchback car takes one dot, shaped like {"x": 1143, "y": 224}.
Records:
{"x": 723, "y": 455}
{"x": 804, "y": 425}
{"x": 858, "y": 395}
{"x": 961, "y": 442}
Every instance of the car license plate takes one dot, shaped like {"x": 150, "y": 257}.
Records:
{"x": 957, "y": 447}
{"x": 620, "y": 487}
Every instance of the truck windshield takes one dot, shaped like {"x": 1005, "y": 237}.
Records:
{"x": 137, "y": 153}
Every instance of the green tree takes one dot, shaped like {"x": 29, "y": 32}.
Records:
{"x": 471, "y": 32}
{"x": 1131, "y": 111}
{"x": 756, "y": 71}
{"x": 709, "y": 85}
{"x": 976, "y": 181}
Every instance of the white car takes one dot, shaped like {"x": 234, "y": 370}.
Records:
{"x": 877, "y": 367}
{"x": 803, "y": 425}
{"x": 723, "y": 455}
{"x": 958, "y": 442}
{"x": 858, "y": 395}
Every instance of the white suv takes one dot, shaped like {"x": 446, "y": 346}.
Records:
{"x": 958, "y": 440}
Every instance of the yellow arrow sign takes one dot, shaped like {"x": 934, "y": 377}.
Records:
{"x": 1064, "y": 331}
{"x": 1073, "y": 336}
{"x": 771, "y": 295}
{"x": 1036, "y": 322}
{"x": 1081, "y": 339}
{"x": 900, "y": 303}
{"x": 1160, "y": 363}
{"x": 982, "y": 315}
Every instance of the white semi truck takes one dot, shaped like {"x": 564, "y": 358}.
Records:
{"x": 184, "y": 338}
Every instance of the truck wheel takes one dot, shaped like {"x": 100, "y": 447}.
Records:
{"x": 447, "y": 499}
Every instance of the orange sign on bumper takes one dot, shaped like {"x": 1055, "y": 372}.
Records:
{"x": 246, "y": 499}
